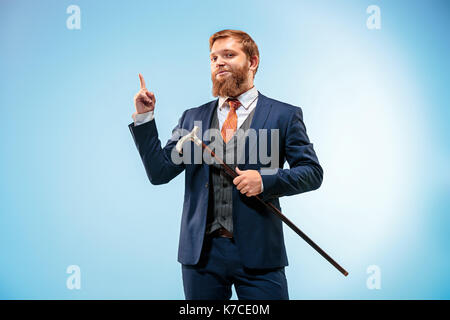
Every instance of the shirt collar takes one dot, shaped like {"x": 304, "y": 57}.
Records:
{"x": 245, "y": 98}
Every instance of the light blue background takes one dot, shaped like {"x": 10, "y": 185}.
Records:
{"x": 74, "y": 190}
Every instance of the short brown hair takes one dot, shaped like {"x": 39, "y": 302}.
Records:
{"x": 248, "y": 45}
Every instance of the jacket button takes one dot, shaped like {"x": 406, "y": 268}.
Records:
{"x": 206, "y": 185}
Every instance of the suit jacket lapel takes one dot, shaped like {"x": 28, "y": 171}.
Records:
{"x": 262, "y": 111}
{"x": 206, "y": 118}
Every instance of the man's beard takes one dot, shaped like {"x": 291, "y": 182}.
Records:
{"x": 230, "y": 85}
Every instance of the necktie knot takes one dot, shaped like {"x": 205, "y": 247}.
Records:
{"x": 233, "y": 103}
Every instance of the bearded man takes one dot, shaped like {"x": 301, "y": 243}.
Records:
{"x": 227, "y": 238}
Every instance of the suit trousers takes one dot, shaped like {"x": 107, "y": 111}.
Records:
{"x": 220, "y": 267}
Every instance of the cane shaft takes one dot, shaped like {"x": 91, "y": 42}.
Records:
{"x": 277, "y": 212}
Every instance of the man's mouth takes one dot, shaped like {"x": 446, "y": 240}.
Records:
{"x": 222, "y": 72}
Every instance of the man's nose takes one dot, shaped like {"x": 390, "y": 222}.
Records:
{"x": 220, "y": 62}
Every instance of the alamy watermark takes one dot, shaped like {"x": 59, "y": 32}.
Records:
{"x": 374, "y": 20}
{"x": 73, "y": 22}
{"x": 373, "y": 282}
{"x": 74, "y": 280}
{"x": 257, "y": 152}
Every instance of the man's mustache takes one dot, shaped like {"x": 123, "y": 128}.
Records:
{"x": 219, "y": 71}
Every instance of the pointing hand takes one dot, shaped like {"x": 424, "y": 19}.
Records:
{"x": 144, "y": 100}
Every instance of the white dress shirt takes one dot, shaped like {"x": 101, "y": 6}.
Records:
{"x": 248, "y": 101}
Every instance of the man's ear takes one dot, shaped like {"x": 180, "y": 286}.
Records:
{"x": 254, "y": 61}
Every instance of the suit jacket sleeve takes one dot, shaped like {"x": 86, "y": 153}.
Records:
{"x": 157, "y": 160}
{"x": 305, "y": 173}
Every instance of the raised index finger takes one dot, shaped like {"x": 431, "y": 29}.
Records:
{"x": 141, "y": 79}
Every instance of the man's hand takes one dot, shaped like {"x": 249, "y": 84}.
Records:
{"x": 248, "y": 182}
{"x": 144, "y": 100}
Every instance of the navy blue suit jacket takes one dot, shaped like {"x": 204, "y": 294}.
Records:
{"x": 257, "y": 231}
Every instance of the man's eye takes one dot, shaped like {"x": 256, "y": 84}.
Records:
{"x": 213, "y": 59}
{"x": 230, "y": 54}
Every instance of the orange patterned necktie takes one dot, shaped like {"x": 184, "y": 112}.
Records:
{"x": 230, "y": 124}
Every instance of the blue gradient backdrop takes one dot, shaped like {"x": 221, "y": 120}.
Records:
{"x": 74, "y": 190}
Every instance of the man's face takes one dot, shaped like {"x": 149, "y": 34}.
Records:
{"x": 230, "y": 68}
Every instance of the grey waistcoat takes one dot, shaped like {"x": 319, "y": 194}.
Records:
{"x": 220, "y": 204}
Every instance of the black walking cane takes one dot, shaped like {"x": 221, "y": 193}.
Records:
{"x": 192, "y": 136}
